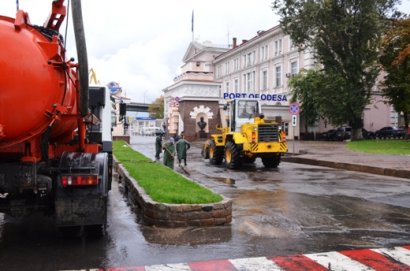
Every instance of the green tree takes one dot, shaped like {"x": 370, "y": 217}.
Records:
{"x": 345, "y": 38}
{"x": 395, "y": 59}
{"x": 156, "y": 109}
{"x": 304, "y": 87}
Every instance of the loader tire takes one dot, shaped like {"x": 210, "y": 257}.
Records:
{"x": 216, "y": 154}
{"x": 232, "y": 155}
{"x": 271, "y": 161}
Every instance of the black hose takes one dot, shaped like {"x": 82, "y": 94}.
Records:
{"x": 44, "y": 144}
{"x": 81, "y": 54}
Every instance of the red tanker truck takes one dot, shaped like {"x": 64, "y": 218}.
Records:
{"x": 55, "y": 130}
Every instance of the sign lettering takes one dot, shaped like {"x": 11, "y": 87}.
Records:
{"x": 262, "y": 97}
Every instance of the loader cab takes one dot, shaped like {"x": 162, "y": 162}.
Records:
{"x": 241, "y": 111}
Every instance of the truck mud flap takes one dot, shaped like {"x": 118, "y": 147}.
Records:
{"x": 83, "y": 211}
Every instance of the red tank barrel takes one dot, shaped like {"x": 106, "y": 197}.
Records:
{"x": 35, "y": 88}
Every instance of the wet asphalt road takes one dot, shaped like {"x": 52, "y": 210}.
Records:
{"x": 294, "y": 209}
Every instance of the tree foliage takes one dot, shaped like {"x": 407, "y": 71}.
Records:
{"x": 395, "y": 59}
{"x": 344, "y": 37}
{"x": 156, "y": 109}
{"x": 304, "y": 87}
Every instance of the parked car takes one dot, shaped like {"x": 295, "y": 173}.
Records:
{"x": 328, "y": 134}
{"x": 151, "y": 131}
{"x": 344, "y": 133}
{"x": 339, "y": 134}
{"x": 390, "y": 132}
{"x": 368, "y": 134}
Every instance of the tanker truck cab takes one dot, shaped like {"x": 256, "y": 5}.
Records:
{"x": 100, "y": 131}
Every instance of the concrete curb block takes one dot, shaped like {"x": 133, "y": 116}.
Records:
{"x": 400, "y": 173}
{"x": 174, "y": 215}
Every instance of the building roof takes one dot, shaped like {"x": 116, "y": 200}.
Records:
{"x": 195, "y": 48}
{"x": 248, "y": 43}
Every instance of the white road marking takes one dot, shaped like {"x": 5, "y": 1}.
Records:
{"x": 335, "y": 261}
{"x": 398, "y": 253}
{"x": 251, "y": 264}
{"x": 169, "y": 267}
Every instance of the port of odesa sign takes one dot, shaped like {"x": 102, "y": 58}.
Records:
{"x": 259, "y": 96}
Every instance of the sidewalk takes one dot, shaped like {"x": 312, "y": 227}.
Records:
{"x": 336, "y": 155}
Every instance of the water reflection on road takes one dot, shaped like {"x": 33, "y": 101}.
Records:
{"x": 293, "y": 209}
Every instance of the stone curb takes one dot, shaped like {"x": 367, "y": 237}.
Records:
{"x": 174, "y": 215}
{"x": 400, "y": 173}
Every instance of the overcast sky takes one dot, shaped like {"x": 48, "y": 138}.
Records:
{"x": 140, "y": 44}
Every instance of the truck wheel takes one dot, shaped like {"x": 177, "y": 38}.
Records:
{"x": 271, "y": 161}
{"x": 232, "y": 155}
{"x": 216, "y": 154}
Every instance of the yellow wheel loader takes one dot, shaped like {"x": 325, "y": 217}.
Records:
{"x": 246, "y": 136}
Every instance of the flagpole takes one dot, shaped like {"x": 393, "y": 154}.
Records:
{"x": 192, "y": 25}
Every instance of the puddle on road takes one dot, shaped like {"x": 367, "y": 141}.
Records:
{"x": 230, "y": 182}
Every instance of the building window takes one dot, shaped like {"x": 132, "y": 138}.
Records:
{"x": 294, "y": 68}
{"x": 249, "y": 79}
{"x": 278, "y": 47}
{"x": 264, "y": 79}
{"x": 278, "y": 76}
{"x": 244, "y": 61}
{"x": 248, "y": 59}
{"x": 253, "y": 81}
{"x": 227, "y": 68}
{"x": 236, "y": 85}
{"x": 219, "y": 71}
{"x": 227, "y": 86}
{"x": 264, "y": 53}
{"x": 236, "y": 64}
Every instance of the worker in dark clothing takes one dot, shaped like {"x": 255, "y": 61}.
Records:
{"x": 158, "y": 145}
{"x": 169, "y": 153}
{"x": 182, "y": 146}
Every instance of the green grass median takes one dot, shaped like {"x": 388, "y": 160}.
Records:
{"x": 400, "y": 147}
{"x": 161, "y": 183}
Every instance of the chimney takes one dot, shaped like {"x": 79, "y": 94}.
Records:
{"x": 234, "y": 43}
{"x": 243, "y": 41}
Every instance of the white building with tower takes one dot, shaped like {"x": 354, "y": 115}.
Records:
{"x": 257, "y": 68}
